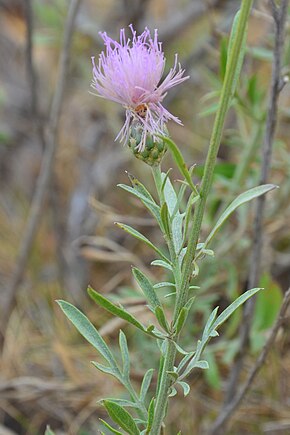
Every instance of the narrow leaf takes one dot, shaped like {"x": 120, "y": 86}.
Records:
{"x": 185, "y": 387}
{"x": 241, "y": 199}
{"x": 87, "y": 330}
{"x": 125, "y": 354}
{"x": 162, "y": 263}
{"x": 150, "y": 416}
{"x": 140, "y": 237}
{"x": 146, "y": 287}
{"x": 164, "y": 284}
{"x": 111, "y": 429}
{"x": 108, "y": 370}
{"x": 48, "y": 431}
{"x": 201, "y": 365}
{"x": 146, "y": 384}
{"x": 231, "y": 308}
{"x": 165, "y": 219}
{"x": 114, "y": 309}
{"x": 151, "y": 206}
{"x": 179, "y": 161}
{"x": 159, "y": 313}
{"x": 122, "y": 417}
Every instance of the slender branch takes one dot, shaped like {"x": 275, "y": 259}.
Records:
{"x": 49, "y": 154}
{"x": 230, "y": 409}
{"x": 254, "y": 273}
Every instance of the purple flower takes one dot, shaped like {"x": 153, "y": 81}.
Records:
{"x": 129, "y": 73}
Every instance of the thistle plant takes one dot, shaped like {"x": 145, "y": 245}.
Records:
{"x": 129, "y": 72}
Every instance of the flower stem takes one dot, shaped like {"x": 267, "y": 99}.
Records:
{"x": 182, "y": 296}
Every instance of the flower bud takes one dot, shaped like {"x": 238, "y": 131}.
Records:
{"x": 154, "y": 148}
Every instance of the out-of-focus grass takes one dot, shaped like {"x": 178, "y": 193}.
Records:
{"x": 46, "y": 376}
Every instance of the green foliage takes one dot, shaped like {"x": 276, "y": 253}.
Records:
{"x": 117, "y": 311}
{"x": 122, "y": 417}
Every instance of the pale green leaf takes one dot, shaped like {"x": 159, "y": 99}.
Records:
{"x": 146, "y": 287}
{"x": 87, "y": 330}
{"x": 122, "y": 417}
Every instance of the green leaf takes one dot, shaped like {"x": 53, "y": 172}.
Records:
{"x": 140, "y": 237}
{"x": 137, "y": 185}
{"x": 247, "y": 196}
{"x": 165, "y": 219}
{"x": 150, "y": 416}
{"x": 87, "y": 330}
{"x": 181, "y": 320}
{"x": 146, "y": 287}
{"x": 185, "y": 387}
{"x": 170, "y": 196}
{"x": 160, "y": 316}
{"x": 146, "y": 384}
{"x": 162, "y": 263}
{"x": 173, "y": 392}
{"x": 108, "y": 370}
{"x": 177, "y": 236}
{"x": 114, "y": 309}
{"x": 164, "y": 284}
{"x": 48, "y": 431}
{"x": 123, "y": 402}
{"x": 201, "y": 365}
{"x": 231, "y": 308}
{"x": 111, "y": 429}
{"x": 125, "y": 354}
{"x": 179, "y": 161}
{"x": 122, "y": 417}
{"x": 150, "y": 205}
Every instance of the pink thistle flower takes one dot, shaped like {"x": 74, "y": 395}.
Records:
{"x": 129, "y": 73}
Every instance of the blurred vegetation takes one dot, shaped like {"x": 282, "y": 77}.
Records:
{"x": 46, "y": 377}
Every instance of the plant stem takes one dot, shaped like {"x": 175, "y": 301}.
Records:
{"x": 214, "y": 145}
{"x": 182, "y": 296}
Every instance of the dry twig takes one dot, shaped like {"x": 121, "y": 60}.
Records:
{"x": 49, "y": 154}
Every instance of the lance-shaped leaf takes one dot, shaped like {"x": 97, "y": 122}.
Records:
{"x": 146, "y": 287}
{"x": 241, "y": 199}
{"x": 140, "y": 237}
{"x": 150, "y": 416}
{"x": 165, "y": 219}
{"x": 149, "y": 204}
{"x": 111, "y": 429}
{"x": 87, "y": 330}
{"x": 179, "y": 161}
{"x": 231, "y": 308}
{"x": 181, "y": 319}
{"x": 137, "y": 185}
{"x": 114, "y": 309}
{"x": 160, "y": 316}
{"x": 146, "y": 384}
{"x": 125, "y": 354}
{"x": 122, "y": 417}
{"x": 162, "y": 263}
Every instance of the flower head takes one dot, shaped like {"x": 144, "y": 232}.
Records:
{"x": 129, "y": 72}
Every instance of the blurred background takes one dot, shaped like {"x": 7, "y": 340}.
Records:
{"x": 46, "y": 376}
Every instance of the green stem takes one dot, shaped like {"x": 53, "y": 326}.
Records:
{"x": 214, "y": 145}
{"x": 182, "y": 296}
